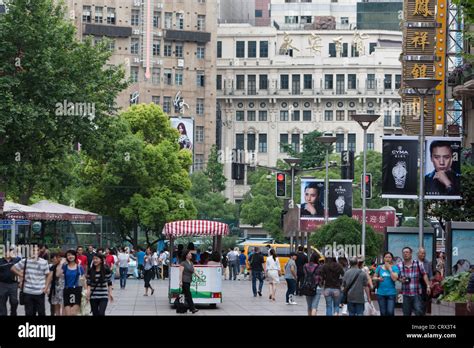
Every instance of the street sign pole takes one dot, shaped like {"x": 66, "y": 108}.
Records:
{"x": 13, "y": 233}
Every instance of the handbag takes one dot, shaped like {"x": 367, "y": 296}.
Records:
{"x": 309, "y": 287}
{"x": 22, "y": 294}
{"x": 346, "y": 290}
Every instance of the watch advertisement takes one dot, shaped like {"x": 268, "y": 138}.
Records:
{"x": 340, "y": 198}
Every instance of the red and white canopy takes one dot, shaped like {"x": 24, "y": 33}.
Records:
{"x": 195, "y": 228}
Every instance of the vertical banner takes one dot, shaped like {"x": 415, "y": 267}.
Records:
{"x": 443, "y": 168}
{"x": 312, "y": 198}
{"x": 400, "y": 167}
{"x": 340, "y": 198}
{"x": 185, "y": 127}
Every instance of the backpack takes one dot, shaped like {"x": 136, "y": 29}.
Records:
{"x": 310, "y": 284}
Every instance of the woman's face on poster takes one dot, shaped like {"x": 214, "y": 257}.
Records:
{"x": 181, "y": 129}
{"x": 310, "y": 195}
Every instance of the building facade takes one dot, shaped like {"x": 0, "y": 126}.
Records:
{"x": 274, "y": 87}
{"x": 168, "y": 51}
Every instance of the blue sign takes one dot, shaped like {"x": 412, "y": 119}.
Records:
{"x": 17, "y": 222}
{"x": 397, "y": 241}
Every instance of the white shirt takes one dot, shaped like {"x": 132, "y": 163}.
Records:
{"x": 155, "y": 259}
{"x": 123, "y": 260}
{"x": 272, "y": 264}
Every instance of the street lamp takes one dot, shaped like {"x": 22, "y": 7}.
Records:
{"x": 327, "y": 141}
{"x": 422, "y": 87}
{"x": 364, "y": 120}
{"x": 293, "y": 162}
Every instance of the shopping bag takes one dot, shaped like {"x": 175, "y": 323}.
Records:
{"x": 369, "y": 310}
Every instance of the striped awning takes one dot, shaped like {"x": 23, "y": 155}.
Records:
{"x": 195, "y": 228}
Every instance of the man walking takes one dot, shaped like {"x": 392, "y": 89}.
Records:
{"x": 90, "y": 254}
{"x": 140, "y": 262}
{"x": 301, "y": 260}
{"x": 355, "y": 282}
{"x": 8, "y": 284}
{"x": 233, "y": 257}
{"x": 257, "y": 267}
{"x": 410, "y": 273}
{"x": 34, "y": 279}
{"x": 428, "y": 266}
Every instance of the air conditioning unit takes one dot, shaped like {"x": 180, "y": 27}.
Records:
{"x": 180, "y": 63}
{"x": 136, "y": 60}
{"x": 159, "y": 62}
{"x": 136, "y": 31}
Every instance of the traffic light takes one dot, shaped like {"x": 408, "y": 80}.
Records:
{"x": 368, "y": 186}
{"x": 347, "y": 164}
{"x": 238, "y": 171}
{"x": 280, "y": 185}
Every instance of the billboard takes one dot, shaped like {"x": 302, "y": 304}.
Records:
{"x": 442, "y": 168}
{"x": 185, "y": 127}
{"x": 399, "y": 167}
{"x": 408, "y": 237}
{"x": 312, "y": 199}
{"x": 340, "y": 198}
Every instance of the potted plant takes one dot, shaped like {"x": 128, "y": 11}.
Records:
{"x": 455, "y": 290}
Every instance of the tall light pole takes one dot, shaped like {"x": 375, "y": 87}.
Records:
{"x": 293, "y": 162}
{"x": 422, "y": 87}
{"x": 327, "y": 141}
{"x": 364, "y": 120}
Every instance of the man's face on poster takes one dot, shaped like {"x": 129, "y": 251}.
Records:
{"x": 442, "y": 158}
{"x": 310, "y": 195}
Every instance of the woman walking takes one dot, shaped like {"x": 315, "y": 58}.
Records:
{"x": 99, "y": 286}
{"x": 312, "y": 276}
{"x": 57, "y": 287}
{"x": 123, "y": 260}
{"x": 273, "y": 272}
{"x": 186, "y": 272}
{"x": 148, "y": 271}
{"x": 386, "y": 275}
{"x": 290, "y": 277}
{"x": 73, "y": 273}
{"x": 332, "y": 273}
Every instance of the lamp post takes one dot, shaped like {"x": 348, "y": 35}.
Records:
{"x": 364, "y": 120}
{"x": 422, "y": 87}
{"x": 327, "y": 141}
{"x": 293, "y": 162}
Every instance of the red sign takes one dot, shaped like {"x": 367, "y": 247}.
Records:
{"x": 376, "y": 218}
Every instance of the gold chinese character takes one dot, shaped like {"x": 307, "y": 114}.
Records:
{"x": 314, "y": 42}
{"x": 358, "y": 42}
{"x": 421, "y": 8}
{"x": 416, "y": 108}
{"x": 418, "y": 71}
{"x": 420, "y": 39}
{"x": 287, "y": 44}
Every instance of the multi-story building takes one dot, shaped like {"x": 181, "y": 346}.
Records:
{"x": 166, "y": 47}
{"x": 254, "y": 12}
{"x": 274, "y": 87}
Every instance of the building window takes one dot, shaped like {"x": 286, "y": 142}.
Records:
{"x": 168, "y": 20}
{"x": 370, "y": 141}
{"x": 239, "y": 141}
{"x": 240, "y": 82}
{"x": 328, "y": 82}
{"x": 284, "y": 81}
{"x": 252, "y": 49}
{"x": 387, "y": 81}
{"x": 134, "y": 47}
{"x": 397, "y": 118}
{"x": 351, "y": 142}
{"x": 344, "y": 20}
{"x": 201, "y": 23}
{"x": 200, "y": 78}
{"x": 295, "y": 142}
{"x": 178, "y": 78}
{"x": 263, "y": 49}
{"x": 351, "y": 81}
{"x": 219, "y": 82}
{"x": 134, "y": 74}
{"x": 258, "y": 14}
{"x": 251, "y": 84}
{"x": 180, "y": 21}
{"x": 199, "y": 134}
{"x": 262, "y": 143}
{"x": 372, "y": 46}
{"x": 262, "y": 115}
{"x": 350, "y": 114}
{"x": 328, "y": 115}
{"x": 179, "y": 50}
{"x": 332, "y": 50}
{"x": 387, "y": 119}
{"x": 251, "y": 142}
{"x": 155, "y": 76}
{"x": 156, "y": 47}
{"x": 240, "y": 49}
{"x": 111, "y": 45}
{"x": 291, "y": 19}
{"x": 263, "y": 81}
{"x": 199, "y": 106}
{"x": 135, "y": 20}
{"x": 340, "y": 82}
{"x": 251, "y": 115}
{"x": 306, "y": 115}
{"x": 354, "y": 52}
{"x": 340, "y": 115}
{"x": 283, "y": 142}
{"x": 283, "y": 115}
{"x": 198, "y": 162}
{"x": 219, "y": 49}
{"x": 370, "y": 81}
{"x": 156, "y": 19}
{"x": 306, "y": 20}
{"x": 295, "y": 84}
{"x": 86, "y": 14}
{"x": 201, "y": 52}
{"x": 307, "y": 81}
{"x": 168, "y": 75}
{"x": 398, "y": 81}
{"x": 345, "y": 49}
{"x": 168, "y": 49}
{"x": 99, "y": 14}
{"x": 239, "y": 115}
{"x": 339, "y": 142}
{"x": 167, "y": 104}
{"x": 155, "y": 99}
{"x": 110, "y": 15}
{"x": 295, "y": 115}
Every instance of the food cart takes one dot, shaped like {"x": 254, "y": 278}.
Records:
{"x": 208, "y": 289}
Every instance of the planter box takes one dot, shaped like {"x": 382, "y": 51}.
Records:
{"x": 450, "y": 309}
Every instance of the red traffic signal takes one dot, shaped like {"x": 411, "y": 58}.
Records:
{"x": 280, "y": 177}
{"x": 368, "y": 186}
{"x": 280, "y": 189}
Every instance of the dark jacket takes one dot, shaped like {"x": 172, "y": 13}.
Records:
{"x": 332, "y": 274}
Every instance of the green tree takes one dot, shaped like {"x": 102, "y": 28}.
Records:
{"x": 43, "y": 65}
{"x": 347, "y": 231}
{"x": 143, "y": 178}
{"x": 214, "y": 171}
{"x": 313, "y": 153}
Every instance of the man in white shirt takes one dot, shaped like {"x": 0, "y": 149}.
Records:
{"x": 123, "y": 260}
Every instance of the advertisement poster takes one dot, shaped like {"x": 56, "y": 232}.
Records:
{"x": 340, "y": 198}
{"x": 397, "y": 241}
{"x": 442, "y": 168}
{"x": 185, "y": 127}
{"x": 203, "y": 290}
{"x": 400, "y": 167}
{"x": 312, "y": 199}
{"x": 462, "y": 242}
